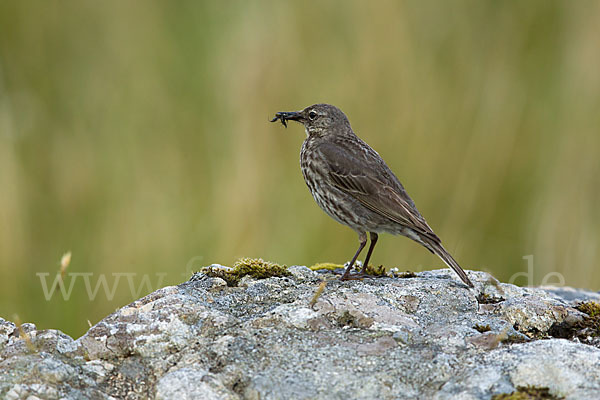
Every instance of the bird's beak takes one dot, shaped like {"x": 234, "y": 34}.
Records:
{"x": 289, "y": 115}
{"x": 285, "y": 116}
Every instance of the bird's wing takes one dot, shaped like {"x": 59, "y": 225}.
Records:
{"x": 366, "y": 177}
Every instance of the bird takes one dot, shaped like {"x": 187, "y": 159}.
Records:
{"x": 353, "y": 185}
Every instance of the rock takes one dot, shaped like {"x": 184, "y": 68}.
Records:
{"x": 570, "y": 294}
{"x": 387, "y": 338}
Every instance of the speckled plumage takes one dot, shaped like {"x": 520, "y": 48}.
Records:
{"x": 353, "y": 185}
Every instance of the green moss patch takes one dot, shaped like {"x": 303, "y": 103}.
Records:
{"x": 376, "y": 270}
{"x": 527, "y": 393}
{"x": 371, "y": 269}
{"x": 484, "y": 298}
{"x": 482, "y": 328}
{"x": 327, "y": 266}
{"x": 584, "y": 329}
{"x": 591, "y": 308}
{"x": 406, "y": 274}
{"x": 254, "y": 267}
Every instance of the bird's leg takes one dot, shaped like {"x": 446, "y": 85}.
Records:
{"x": 362, "y": 237}
{"x": 374, "y": 238}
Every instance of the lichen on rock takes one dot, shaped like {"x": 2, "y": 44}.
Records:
{"x": 276, "y": 332}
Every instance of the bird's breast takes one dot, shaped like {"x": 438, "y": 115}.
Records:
{"x": 316, "y": 175}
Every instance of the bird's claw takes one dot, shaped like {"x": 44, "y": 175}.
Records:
{"x": 354, "y": 277}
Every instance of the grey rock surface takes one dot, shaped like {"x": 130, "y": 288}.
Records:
{"x": 384, "y": 338}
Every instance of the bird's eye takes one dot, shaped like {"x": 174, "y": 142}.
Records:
{"x": 312, "y": 115}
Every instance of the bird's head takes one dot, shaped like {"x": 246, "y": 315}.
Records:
{"x": 318, "y": 119}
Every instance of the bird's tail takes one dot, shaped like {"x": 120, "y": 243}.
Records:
{"x": 436, "y": 248}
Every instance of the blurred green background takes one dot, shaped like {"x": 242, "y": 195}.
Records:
{"x": 136, "y": 135}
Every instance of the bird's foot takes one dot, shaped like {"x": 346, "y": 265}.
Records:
{"x": 354, "y": 277}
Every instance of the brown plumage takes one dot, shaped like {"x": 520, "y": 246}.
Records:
{"x": 352, "y": 183}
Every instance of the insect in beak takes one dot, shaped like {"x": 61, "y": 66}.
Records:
{"x": 285, "y": 116}
{"x": 282, "y": 118}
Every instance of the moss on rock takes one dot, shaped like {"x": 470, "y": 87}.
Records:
{"x": 527, "y": 393}
{"x": 254, "y": 267}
